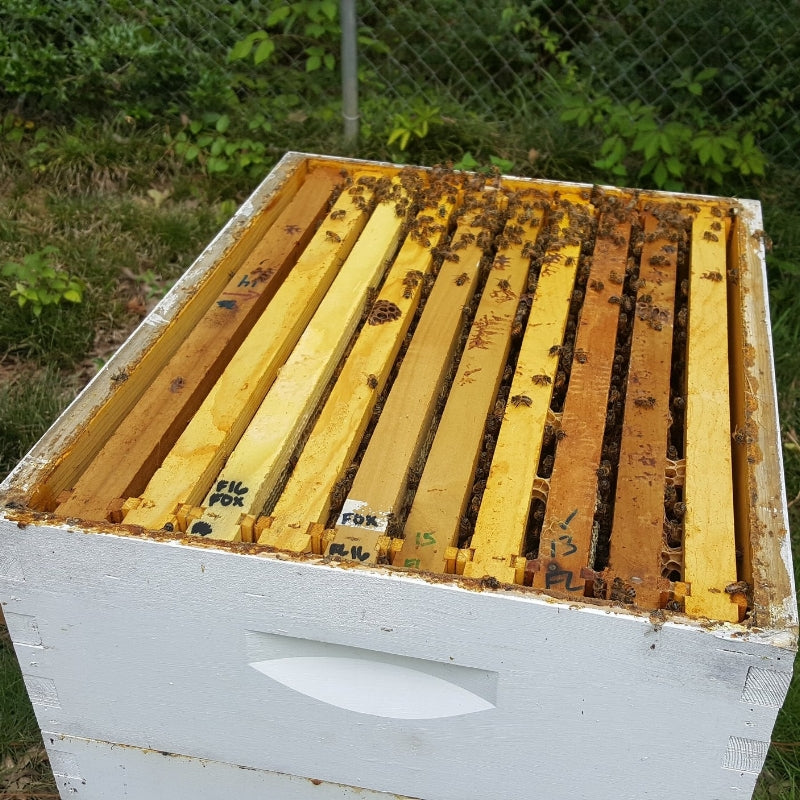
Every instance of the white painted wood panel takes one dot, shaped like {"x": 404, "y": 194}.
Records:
{"x": 123, "y": 772}
{"x": 150, "y": 644}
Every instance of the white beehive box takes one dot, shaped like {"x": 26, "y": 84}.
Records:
{"x": 194, "y": 647}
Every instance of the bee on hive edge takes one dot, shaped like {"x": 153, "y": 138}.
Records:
{"x": 521, "y": 400}
{"x": 581, "y": 356}
{"x": 542, "y": 380}
{"x": 739, "y": 587}
{"x": 333, "y": 236}
{"x": 372, "y": 381}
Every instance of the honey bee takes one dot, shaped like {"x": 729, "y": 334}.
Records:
{"x": 615, "y": 277}
{"x": 716, "y": 226}
{"x": 338, "y": 214}
{"x": 332, "y": 236}
{"x": 514, "y": 233}
{"x": 615, "y": 300}
{"x": 604, "y": 470}
{"x": 461, "y": 279}
{"x": 521, "y": 400}
{"x": 561, "y": 434}
{"x": 484, "y": 240}
{"x": 372, "y": 381}
{"x": 504, "y": 285}
{"x": 712, "y": 276}
{"x": 764, "y": 237}
{"x": 739, "y": 436}
{"x": 645, "y": 402}
{"x": 554, "y": 350}
{"x": 716, "y": 211}
{"x": 542, "y": 380}
{"x": 581, "y": 356}
{"x": 611, "y": 450}
{"x": 598, "y": 286}
{"x": 710, "y": 237}
{"x": 739, "y": 587}
{"x": 658, "y": 260}
{"x": 410, "y": 282}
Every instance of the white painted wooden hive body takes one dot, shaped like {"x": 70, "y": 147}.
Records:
{"x": 421, "y": 485}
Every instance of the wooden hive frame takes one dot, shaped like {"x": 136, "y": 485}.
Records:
{"x": 558, "y": 390}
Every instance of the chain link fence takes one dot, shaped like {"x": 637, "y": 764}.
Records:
{"x": 499, "y": 56}
{"x": 733, "y": 63}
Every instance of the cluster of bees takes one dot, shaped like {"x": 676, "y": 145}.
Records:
{"x": 545, "y": 223}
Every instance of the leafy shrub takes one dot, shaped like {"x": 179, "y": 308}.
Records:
{"x": 39, "y": 282}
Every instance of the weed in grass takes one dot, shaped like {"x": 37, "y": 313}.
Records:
{"x": 39, "y": 282}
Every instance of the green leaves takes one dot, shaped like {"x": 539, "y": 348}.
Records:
{"x": 308, "y": 28}
{"x": 496, "y": 164}
{"x": 690, "y": 146}
{"x": 258, "y": 43}
{"x": 694, "y": 84}
{"x": 416, "y": 123}
{"x": 210, "y": 142}
{"x": 39, "y": 283}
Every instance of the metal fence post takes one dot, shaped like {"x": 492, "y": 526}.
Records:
{"x": 349, "y": 70}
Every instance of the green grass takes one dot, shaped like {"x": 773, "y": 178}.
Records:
{"x": 24, "y": 769}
